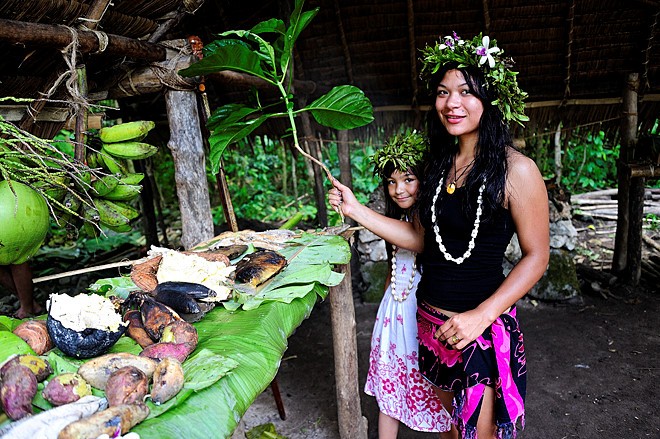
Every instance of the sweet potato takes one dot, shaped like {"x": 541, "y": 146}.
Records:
{"x": 39, "y": 367}
{"x": 126, "y": 386}
{"x": 35, "y": 334}
{"x": 168, "y": 380}
{"x": 136, "y": 329}
{"x": 180, "y": 331}
{"x": 66, "y": 388}
{"x": 161, "y": 350}
{"x": 18, "y": 388}
{"x": 97, "y": 370}
{"x": 107, "y": 421}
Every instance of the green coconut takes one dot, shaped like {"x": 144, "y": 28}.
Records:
{"x": 25, "y": 219}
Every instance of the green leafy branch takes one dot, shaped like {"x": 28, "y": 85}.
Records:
{"x": 249, "y": 51}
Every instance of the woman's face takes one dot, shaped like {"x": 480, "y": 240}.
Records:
{"x": 459, "y": 110}
{"x": 402, "y": 187}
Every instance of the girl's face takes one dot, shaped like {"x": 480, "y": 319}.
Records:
{"x": 402, "y": 187}
{"x": 459, "y": 110}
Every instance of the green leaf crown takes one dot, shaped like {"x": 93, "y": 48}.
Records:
{"x": 403, "y": 151}
{"x": 480, "y": 52}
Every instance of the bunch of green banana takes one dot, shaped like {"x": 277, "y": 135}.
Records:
{"x": 124, "y": 141}
{"x": 113, "y": 193}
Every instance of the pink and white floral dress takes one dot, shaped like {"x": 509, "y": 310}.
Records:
{"x": 393, "y": 378}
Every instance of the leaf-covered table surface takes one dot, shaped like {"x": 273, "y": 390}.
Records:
{"x": 240, "y": 346}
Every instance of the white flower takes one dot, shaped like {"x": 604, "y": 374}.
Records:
{"x": 487, "y": 53}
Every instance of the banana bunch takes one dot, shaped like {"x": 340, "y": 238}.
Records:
{"x": 113, "y": 193}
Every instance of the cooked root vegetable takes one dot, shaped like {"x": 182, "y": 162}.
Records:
{"x": 18, "y": 388}
{"x": 66, "y": 388}
{"x": 35, "y": 334}
{"x": 168, "y": 380}
{"x": 47, "y": 424}
{"x": 155, "y": 316}
{"x": 126, "y": 386}
{"x": 180, "y": 332}
{"x": 161, "y": 350}
{"x": 97, "y": 370}
{"x": 39, "y": 367}
{"x": 121, "y": 417}
{"x": 136, "y": 329}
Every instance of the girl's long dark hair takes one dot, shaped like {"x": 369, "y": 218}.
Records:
{"x": 490, "y": 155}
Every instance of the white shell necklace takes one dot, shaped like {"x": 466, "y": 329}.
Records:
{"x": 406, "y": 292}
{"x": 474, "y": 233}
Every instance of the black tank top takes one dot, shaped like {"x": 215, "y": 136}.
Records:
{"x": 462, "y": 287}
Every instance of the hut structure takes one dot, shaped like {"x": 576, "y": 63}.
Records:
{"x": 586, "y": 65}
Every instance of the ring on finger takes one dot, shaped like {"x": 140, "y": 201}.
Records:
{"x": 454, "y": 339}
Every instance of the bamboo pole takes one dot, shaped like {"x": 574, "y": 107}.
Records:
{"x": 352, "y": 425}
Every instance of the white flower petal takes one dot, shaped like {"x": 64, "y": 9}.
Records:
{"x": 491, "y": 61}
{"x": 485, "y": 41}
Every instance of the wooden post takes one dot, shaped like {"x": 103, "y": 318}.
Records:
{"x": 633, "y": 270}
{"x": 352, "y": 425}
{"x": 187, "y": 149}
{"x": 626, "y": 155}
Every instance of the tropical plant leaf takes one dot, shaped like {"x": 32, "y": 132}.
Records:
{"x": 236, "y": 57}
{"x": 229, "y": 114}
{"x": 11, "y": 344}
{"x": 297, "y": 23}
{"x": 342, "y": 108}
{"x": 225, "y": 135}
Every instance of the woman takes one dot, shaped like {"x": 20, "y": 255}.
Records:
{"x": 403, "y": 395}
{"x": 478, "y": 191}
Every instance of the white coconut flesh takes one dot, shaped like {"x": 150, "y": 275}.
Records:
{"x": 84, "y": 311}
{"x": 178, "y": 267}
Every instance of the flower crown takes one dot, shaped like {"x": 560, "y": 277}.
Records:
{"x": 480, "y": 52}
{"x": 403, "y": 151}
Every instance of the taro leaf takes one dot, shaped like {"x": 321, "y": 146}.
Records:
{"x": 236, "y": 57}
{"x": 342, "y": 108}
{"x": 309, "y": 262}
{"x": 256, "y": 340}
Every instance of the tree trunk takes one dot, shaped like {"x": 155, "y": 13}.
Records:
{"x": 187, "y": 149}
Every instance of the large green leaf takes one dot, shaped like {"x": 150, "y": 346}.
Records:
{"x": 224, "y": 135}
{"x": 342, "y": 108}
{"x": 236, "y": 57}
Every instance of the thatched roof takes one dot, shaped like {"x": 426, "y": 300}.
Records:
{"x": 573, "y": 56}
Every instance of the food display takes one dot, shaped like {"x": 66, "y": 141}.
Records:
{"x": 100, "y": 359}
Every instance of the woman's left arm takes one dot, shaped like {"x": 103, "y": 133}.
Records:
{"x": 527, "y": 200}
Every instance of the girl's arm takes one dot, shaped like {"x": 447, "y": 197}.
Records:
{"x": 400, "y": 233}
{"x": 528, "y": 203}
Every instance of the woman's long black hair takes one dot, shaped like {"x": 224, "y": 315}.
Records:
{"x": 490, "y": 162}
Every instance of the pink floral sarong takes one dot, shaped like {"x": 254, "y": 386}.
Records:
{"x": 495, "y": 359}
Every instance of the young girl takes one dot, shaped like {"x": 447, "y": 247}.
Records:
{"x": 478, "y": 191}
{"x": 403, "y": 395}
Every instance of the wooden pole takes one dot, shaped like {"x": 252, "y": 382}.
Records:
{"x": 626, "y": 156}
{"x": 352, "y": 425}
{"x": 46, "y": 35}
{"x": 187, "y": 149}
{"x": 636, "y": 191}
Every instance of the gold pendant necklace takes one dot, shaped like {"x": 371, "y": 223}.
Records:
{"x": 451, "y": 187}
